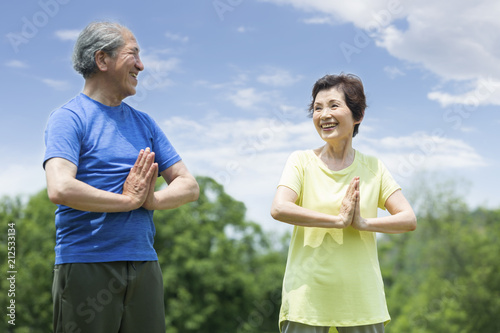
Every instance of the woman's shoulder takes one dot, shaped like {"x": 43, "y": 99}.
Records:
{"x": 299, "y": 158}
{"x": 302, "y": 155}
{"x": 370, "y": 162}
{"x": 366, "y": 158}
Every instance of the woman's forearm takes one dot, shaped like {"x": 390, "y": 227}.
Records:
{"x": 393, "y": 224}
{"x": 293, "y": 214}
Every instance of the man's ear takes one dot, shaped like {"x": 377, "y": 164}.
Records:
{"x": 101, "y": 60}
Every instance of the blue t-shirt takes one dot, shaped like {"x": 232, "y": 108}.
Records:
{"x": 104, "y": 142}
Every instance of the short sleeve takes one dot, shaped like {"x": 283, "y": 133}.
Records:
{"x": 63, "y": 136}
{"x": 293, "y": 173}
{"x": 387, "y": 185}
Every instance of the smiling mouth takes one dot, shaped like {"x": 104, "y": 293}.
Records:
{"x": 134, "y": 75}
{"x": 329, "y": 125}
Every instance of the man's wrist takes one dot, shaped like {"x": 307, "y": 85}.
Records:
{"x": 130, "y": 203}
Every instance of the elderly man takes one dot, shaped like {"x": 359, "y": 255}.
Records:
{"x": 101, "y": 162}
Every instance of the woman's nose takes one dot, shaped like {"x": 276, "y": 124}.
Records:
{"x": 325, "y": 113}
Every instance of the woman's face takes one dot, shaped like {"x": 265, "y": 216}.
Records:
{"x": 331, "y": 116}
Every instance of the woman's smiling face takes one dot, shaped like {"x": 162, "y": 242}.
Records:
{"x": 331, "y": 116}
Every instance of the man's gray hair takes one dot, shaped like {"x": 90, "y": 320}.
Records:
{"x": 97, "y": 36}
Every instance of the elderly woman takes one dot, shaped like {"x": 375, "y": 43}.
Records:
{"x": 331, "y": 194}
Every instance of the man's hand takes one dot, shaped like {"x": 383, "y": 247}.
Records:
{"x": 138, "y": 183}
{"x": 150, "y": 202}
{"x": 349, "y": 203}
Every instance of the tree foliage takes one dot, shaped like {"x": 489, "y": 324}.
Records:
{"x": 223, "y": 273}
{"x": 444, "y": 277}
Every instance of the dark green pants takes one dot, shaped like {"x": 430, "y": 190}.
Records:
{"x": 109, "y": 297}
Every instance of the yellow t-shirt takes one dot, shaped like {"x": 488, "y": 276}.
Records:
{"x": 332, "y": 277}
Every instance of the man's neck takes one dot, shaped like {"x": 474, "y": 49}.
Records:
{"x": 93, "y": 89}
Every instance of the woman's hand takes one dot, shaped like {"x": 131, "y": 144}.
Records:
{"x": 358, "y": 222}
{"x": 349, "y": 203}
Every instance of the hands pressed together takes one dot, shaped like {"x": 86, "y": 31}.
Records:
{"x": 350, "y": 211}
{"x": 140, "y": 183}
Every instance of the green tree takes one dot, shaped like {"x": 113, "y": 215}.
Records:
{"x": 34, "y": 250}
{"x": 444, "y": 276}
{"x": 221, "y": 272}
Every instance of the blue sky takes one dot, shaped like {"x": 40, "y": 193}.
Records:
{"x": 229, "y": 81}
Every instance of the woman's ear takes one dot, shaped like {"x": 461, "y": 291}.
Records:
{"x": 360, "y": 120}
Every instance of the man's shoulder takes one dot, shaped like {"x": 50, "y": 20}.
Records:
{"x": 73, "y": 105}
{"x": 135, "y": 111}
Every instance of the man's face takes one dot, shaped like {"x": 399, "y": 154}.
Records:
{"x": 125, "y": 67}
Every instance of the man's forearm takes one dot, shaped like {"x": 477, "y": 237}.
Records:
{"x": 180, "y": 191}
{"x": 81, "y": 196}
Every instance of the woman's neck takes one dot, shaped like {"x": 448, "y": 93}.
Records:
{"x": 336, "y": 157}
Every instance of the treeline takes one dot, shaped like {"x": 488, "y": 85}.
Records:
{"x": 223, "y": 273}
{"x": 445, "y": 276}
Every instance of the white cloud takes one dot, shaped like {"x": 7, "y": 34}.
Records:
{"x": 57, "y": 84}
{"x": 241, "y": 94}
{"x": 176, "y": 37}
{"x": 246, "y": 98}
{"x": 21, "y": 179}
{"x": 67, "y": 35}
{"x": 278, "y": 78}
{"x": 393, "y": 72}
{"x": 358, "y": 12}
{"x": 484, "y": 92}
{"x": 456, "y": 40}
{"x": 157, "y": 69}
{"x": 465, "y": 129}
{"x": 154, "y": 62}
{"x": 419, "y": 151}
{"x": 243, "y": 29}
{"x": 16, "y": 64}
{"x": 318, "y": 20}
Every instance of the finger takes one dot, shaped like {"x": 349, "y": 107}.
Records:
{"x": 350, "y": 188}
{"x": 148, "y": 163}
{"x": 152, "y": 173}
{"x": 355, "y": 187}
{"x": 144, "y": 158}
{"x": 138, "y": 160}
{"x": 151, "y": 185}
{"x": 357, "y": 211}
